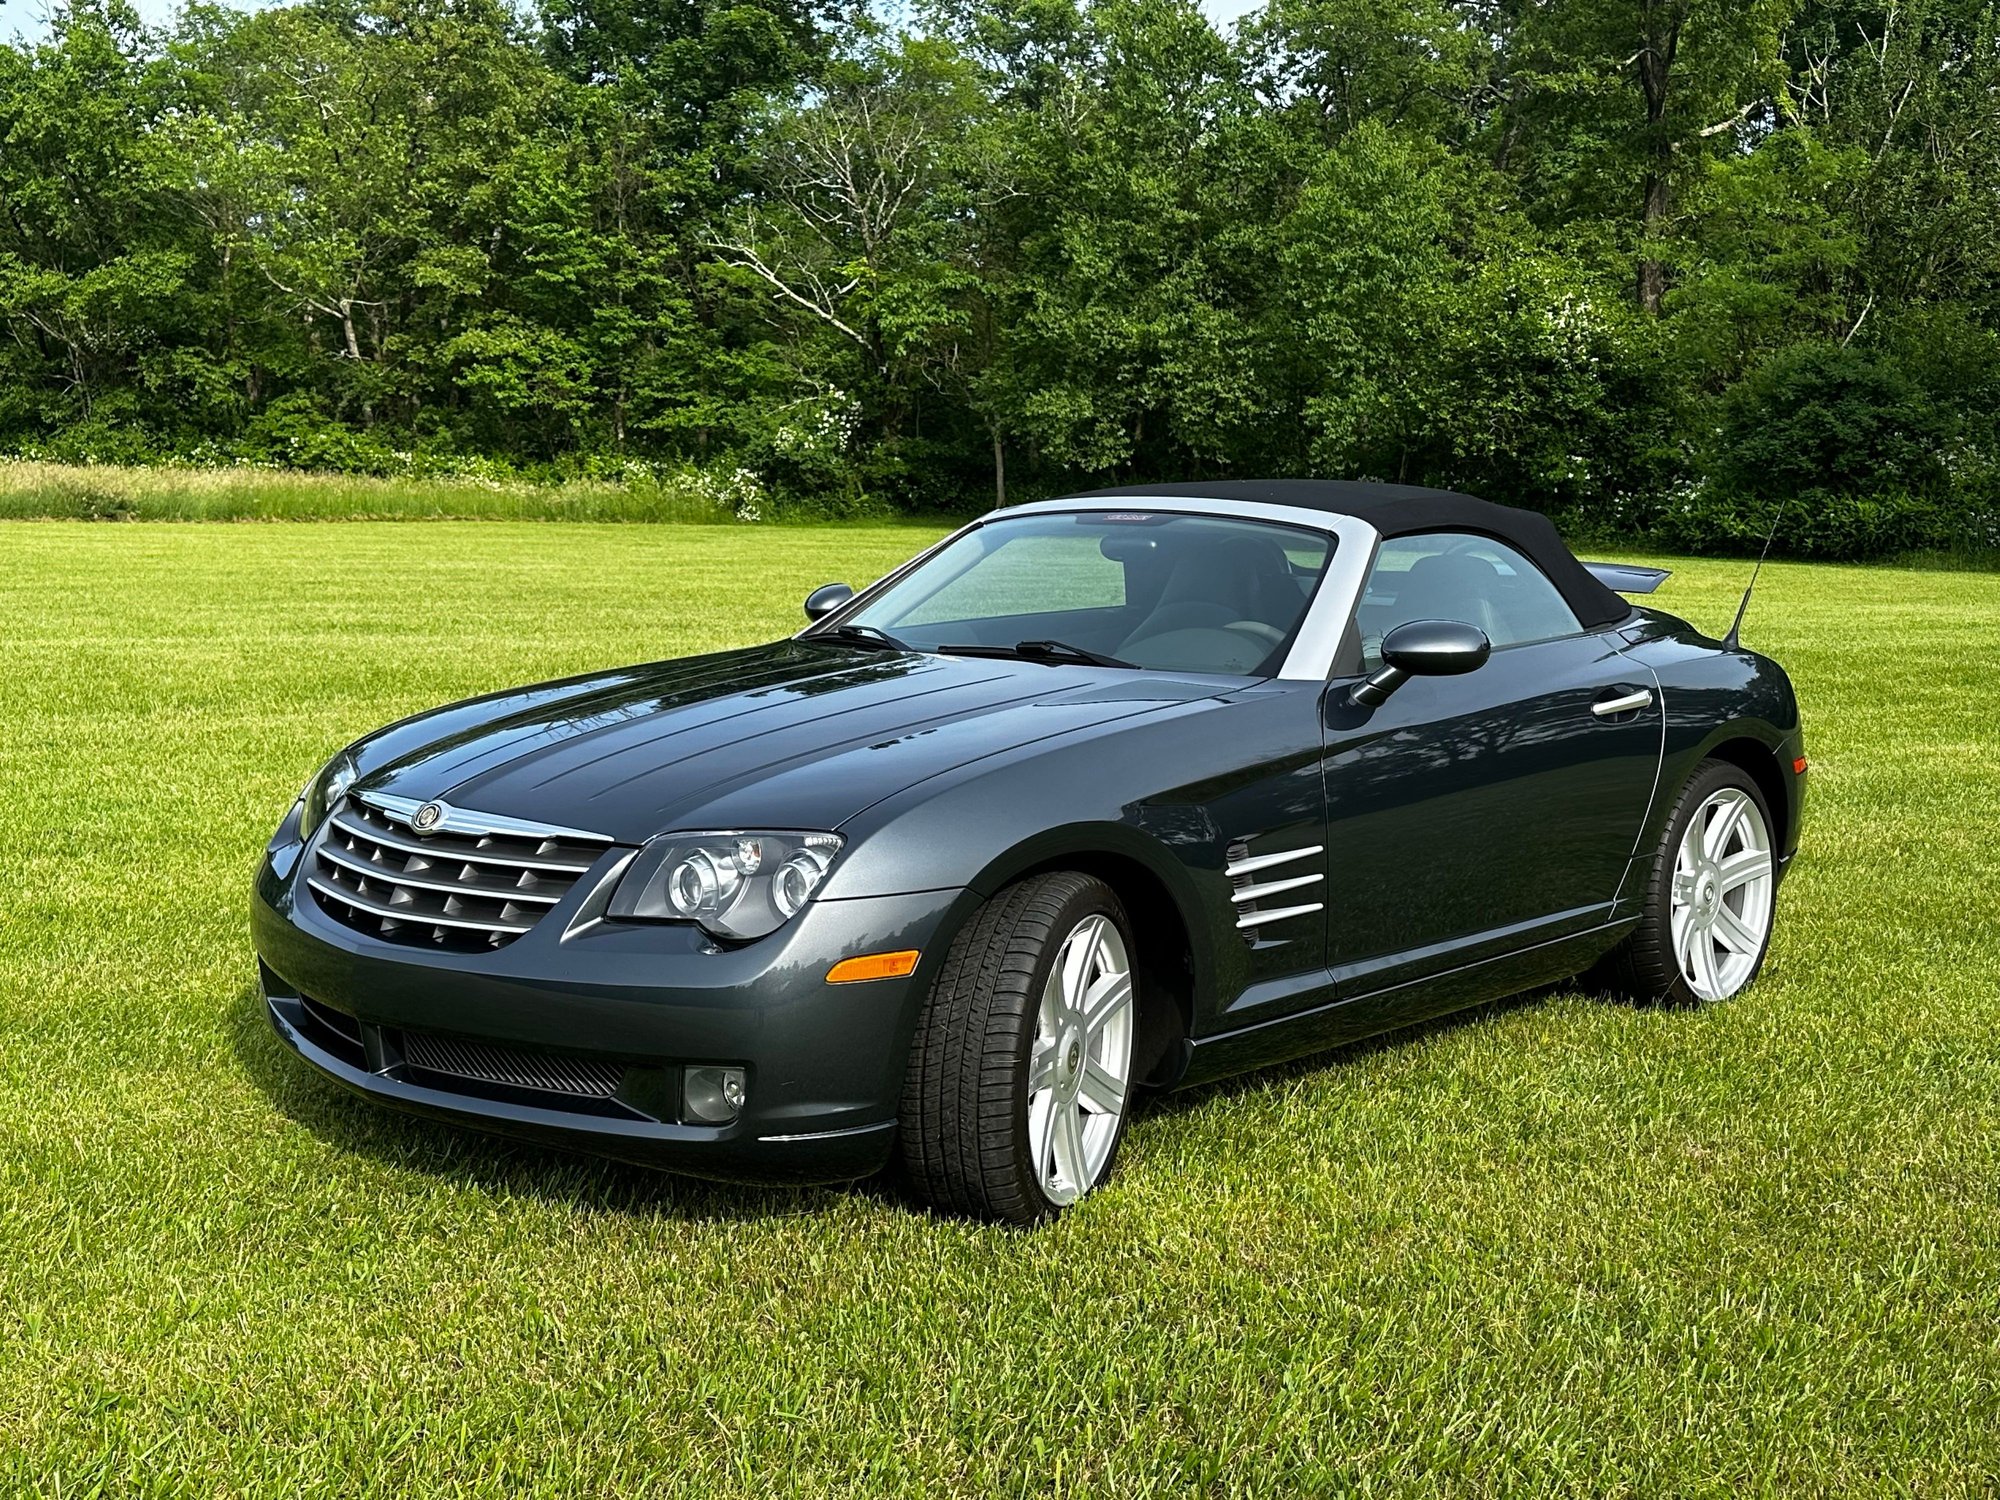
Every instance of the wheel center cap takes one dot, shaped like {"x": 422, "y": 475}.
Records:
{"x": 1073, "y": 1059}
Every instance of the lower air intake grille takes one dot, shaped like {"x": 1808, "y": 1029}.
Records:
{"x": 515, "y": 1067}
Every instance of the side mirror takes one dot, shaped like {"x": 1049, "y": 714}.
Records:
{"x": 825, "y": 599}
{"x": 1423, "y": 648}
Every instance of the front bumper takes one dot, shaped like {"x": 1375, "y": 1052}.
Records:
{"x": 635, "y": 1002}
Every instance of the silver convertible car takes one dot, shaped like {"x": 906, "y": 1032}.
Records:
{"x": 1122, "y": 791}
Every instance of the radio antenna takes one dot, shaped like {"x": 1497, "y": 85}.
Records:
{"x": 1736, "y": 625}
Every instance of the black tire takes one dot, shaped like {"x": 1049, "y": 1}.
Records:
{"x": 964, "y": 1117}
{"x": 1644, "y": 966}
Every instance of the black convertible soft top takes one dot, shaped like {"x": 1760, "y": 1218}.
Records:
{"x": 1405, "y": 509}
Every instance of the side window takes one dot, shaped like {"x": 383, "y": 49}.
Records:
{"x": 1456, "y": 576}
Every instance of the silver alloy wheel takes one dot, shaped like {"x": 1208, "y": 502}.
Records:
{"x": 1080, "y": 1066}
{"x": 1723, "y": 894}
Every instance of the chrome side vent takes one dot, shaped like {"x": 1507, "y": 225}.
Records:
{"x": 1261, "y": 899}
{"x": 425, "y": 873}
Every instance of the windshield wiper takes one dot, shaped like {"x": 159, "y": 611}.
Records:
{"x": 1051, "y": 653}
{"x": 865, "y": 636}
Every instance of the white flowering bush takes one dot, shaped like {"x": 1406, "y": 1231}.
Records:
{"x": 738, "y": 492}
{"x": 818, "y": 430}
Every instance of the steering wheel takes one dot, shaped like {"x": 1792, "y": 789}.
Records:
{"x": 1259, "y": 629}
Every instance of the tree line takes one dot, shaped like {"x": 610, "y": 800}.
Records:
{"x": 1656, "y": 266}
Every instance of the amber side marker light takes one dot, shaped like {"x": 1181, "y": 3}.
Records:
{"x": 1799, "y": 766}
{"x": 873, "y": 966}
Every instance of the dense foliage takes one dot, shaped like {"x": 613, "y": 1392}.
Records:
{"x": 1653, "y": 264}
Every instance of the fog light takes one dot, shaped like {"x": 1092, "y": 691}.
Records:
{"x": 711, "y": 1096}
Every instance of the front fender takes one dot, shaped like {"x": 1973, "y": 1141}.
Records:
{"x": 1137, "y": 805}
{"x": 1047, "y": 849}
{"x": 1139, "y": 864}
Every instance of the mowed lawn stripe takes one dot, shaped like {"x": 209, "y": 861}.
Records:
{"x": 1555, "y": 1245}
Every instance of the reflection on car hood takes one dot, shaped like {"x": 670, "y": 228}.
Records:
{"x": 787, "y": 735}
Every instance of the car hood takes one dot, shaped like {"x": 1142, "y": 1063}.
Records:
{"x": 782, "y": 736}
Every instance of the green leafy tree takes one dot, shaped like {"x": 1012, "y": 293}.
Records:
{"x": 1612, "y": 104}
{"x": 1572, "y": 255}
{"x": 90, "y": 269}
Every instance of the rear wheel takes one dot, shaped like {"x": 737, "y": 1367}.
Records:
{"x": 1710, "y": 899}
{"x": 1021, "y": 1073}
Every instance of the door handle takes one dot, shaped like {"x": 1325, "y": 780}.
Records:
{"x": 1624, "y": 703}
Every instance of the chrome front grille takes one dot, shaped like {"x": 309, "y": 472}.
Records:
{"x": 427, "y": 873}
{"x": 1268, "y": 888}
{"x": 516, "y": 1067}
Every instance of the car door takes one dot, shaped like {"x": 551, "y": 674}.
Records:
{"x": 1473, "y": 816}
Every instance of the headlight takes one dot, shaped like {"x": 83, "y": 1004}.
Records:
{"x": 324, "y": 791}
{"x": 736, "y": 885}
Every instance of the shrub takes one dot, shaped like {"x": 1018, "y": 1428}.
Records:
{"x": 100, "y": 440}
{"x": 294, "y": 433}
{"x": 1841, "y": 440}
{"x": 1827, "y": 524}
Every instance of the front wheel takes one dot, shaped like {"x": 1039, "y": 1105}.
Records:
{"x": 1021, "y": 1072}
{"x": 1710, "y": 899}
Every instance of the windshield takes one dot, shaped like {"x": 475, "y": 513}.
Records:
{"x": 1171, "y": 592}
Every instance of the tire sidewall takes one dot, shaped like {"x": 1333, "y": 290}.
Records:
{"x": 1711, "y": 777}
{"x": 1093, "y": 898}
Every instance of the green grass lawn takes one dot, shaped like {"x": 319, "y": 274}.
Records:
{"x": 1557, "y": 1245}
